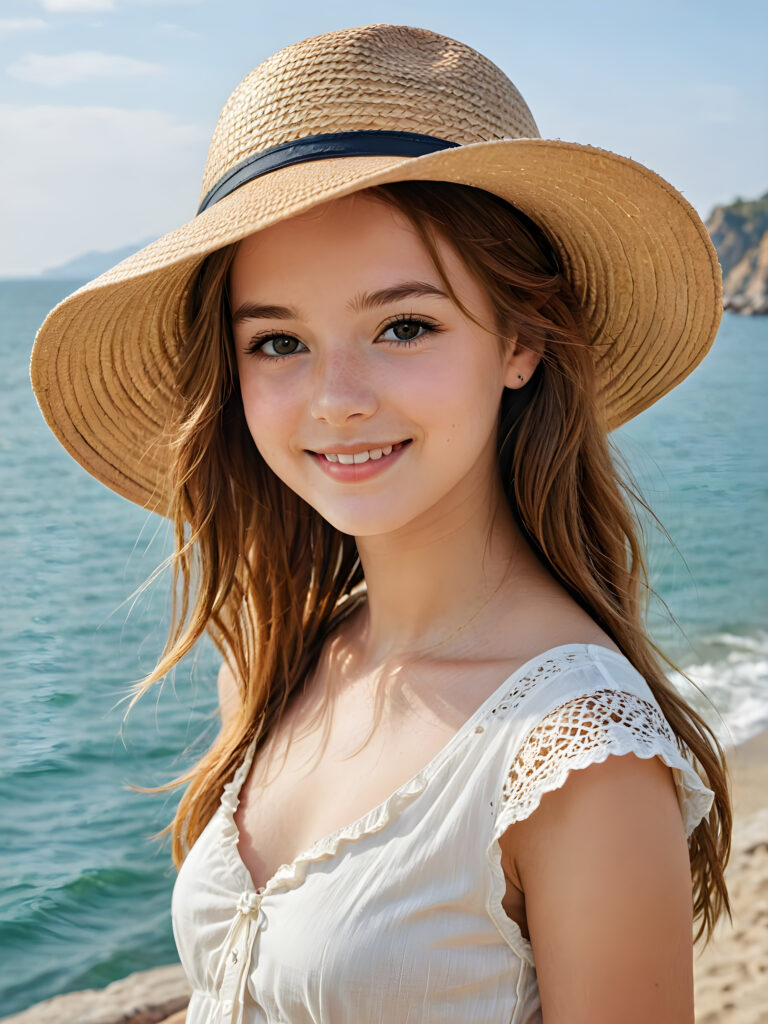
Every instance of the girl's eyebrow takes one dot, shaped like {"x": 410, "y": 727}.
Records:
{"x": 368, "y": 300}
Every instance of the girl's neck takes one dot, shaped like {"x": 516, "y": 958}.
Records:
{"x": 431, "y": 588}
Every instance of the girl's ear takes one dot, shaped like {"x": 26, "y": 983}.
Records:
{"x": 519, "y": 362}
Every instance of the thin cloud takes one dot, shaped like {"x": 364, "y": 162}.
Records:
{"x": 174, "y": 31}
{"x": 86, "y": 6}
{"x": 119, "y": 176}
{"x": 66, "y": 68}
{"x": 77, "y": 6}
{"x": 8, "y": 25}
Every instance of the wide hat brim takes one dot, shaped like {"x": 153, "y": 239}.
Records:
{"x": 636, "y": 253}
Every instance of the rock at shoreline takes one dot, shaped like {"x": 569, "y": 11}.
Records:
{"x": 145, "y": 997}
{"x": 740, "y": 234}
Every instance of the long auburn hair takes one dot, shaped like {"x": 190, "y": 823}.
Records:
{"x": 268, "y": 578}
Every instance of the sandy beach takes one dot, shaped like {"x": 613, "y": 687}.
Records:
{"x": 731, "y": 974}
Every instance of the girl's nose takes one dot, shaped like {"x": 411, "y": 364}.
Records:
{"x": 343, "y": 387}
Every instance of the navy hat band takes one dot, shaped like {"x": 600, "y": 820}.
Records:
{"x": 324, "y": 147}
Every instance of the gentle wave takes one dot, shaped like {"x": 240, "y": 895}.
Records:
{"x": 57, "y": 938}
{"x": 735, "y": 679}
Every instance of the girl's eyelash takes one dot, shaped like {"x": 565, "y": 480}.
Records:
{"x": 256, "y": 344}
{"x": 428, "y": 325}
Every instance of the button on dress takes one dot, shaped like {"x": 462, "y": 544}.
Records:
{"x": 397, "y": 917}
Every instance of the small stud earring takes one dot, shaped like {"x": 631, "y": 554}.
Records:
{"x": 519, "y": 376}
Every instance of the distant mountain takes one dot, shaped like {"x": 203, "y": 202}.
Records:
{"x": 92, "y": 264}
{"x": 740, "y": 234}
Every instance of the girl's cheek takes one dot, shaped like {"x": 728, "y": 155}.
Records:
{"x": 263, "y": 397}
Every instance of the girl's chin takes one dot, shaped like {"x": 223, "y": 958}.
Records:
{"x": 355, "y": 519}
{"x": 366, "y": 526}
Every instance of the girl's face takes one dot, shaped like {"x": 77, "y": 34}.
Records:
{"x": 347, "y": 344}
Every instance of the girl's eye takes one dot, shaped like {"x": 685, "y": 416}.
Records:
{"x": 274, "y": 346}
{"x": 407, "y": 331}
{"x": 404, "y": 331}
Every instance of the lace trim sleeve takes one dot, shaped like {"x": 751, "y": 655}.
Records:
{"x": 586, "y": 730}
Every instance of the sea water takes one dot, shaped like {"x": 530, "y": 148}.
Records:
{"x": 85, "y": 893}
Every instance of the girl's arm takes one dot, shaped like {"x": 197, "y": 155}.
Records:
{"x": 603, "y": 862}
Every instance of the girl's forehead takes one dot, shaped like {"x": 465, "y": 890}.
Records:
{"x": 354, "y": 238}
{"x": 347, "y": 219}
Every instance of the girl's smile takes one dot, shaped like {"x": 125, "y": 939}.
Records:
{"x": 358, "y": 463}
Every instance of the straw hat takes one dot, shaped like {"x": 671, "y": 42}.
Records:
{"x": 348, "y": 110}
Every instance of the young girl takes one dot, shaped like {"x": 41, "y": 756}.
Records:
{"x": 371, "y": 383}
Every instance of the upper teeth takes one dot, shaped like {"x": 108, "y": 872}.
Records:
{"x": 348, "y": 459}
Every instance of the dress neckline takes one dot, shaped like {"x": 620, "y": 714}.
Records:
{"x": 291, "y": 875}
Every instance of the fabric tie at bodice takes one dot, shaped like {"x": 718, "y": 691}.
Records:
{"x": 237, "y": 955}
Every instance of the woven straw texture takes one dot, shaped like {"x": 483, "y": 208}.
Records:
{"x": 636, "y": 253}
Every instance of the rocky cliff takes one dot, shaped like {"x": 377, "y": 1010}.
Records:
{"x": 740, "y": 234}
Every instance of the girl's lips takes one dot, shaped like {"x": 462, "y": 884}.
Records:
{"x": 358, "y": 471}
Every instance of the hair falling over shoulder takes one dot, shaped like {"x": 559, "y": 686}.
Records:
{"x": 258, "y": 569}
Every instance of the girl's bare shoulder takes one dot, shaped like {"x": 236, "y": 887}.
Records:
{"x": 229, "y": 694}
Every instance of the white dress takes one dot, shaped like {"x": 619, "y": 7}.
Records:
{"x": 397, "y": 917}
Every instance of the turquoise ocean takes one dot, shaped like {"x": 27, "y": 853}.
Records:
{"x": 84, "y": 890}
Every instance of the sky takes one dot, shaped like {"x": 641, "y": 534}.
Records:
{"x": 107, "y": 107}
